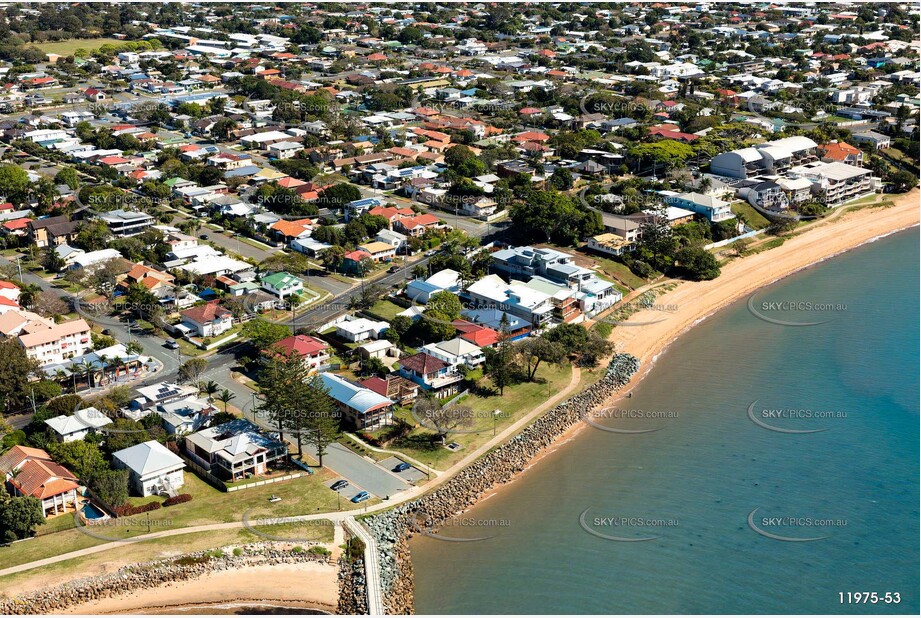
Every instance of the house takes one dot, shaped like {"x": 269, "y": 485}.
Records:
{"x": 455, "y": 352}
{"x": 416, "y": 226}
{"x": 312, "y": 351}
{"x": 153, "y": 469}
{"x": 235, "y": 450}
{"x": 54, "y": 343}
{"x": 480, "y": 336}
{"x": 877, "y": 140}
{"x": 352, "y": 262}
{"x": 362, "y": 407}
{"x": 712, "y": 208}
{"x": 52, "y": 231}
{"x": 360, "y": 329}
{"x": 380, "y": 349}
{"x": 611, "y": 244}
{"x": 773, "y": 157}
{"x": 78, "y": 425}
{"x": 125, "y": 223}
{"x": 208, "y": 320}
{"x": 31, "y": 472}
{"x": 282, "y": 284}
{"x": 432, "y": 374}
{"x": 155, "y": 395}
{"x": 421, "y": 290}
{"x": 841, "y": 152}
{"x": 379, "y": 251}
{"x": 392, "y": 387}
{"x": 394, "y": 239}
{"x": 185, "y": 415}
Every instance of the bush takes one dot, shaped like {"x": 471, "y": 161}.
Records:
{"x": 127, "y": 510}
{"x": 177, "y": 499}
{"x": 297, "y": 550}
{"x": 237, "y": 552}
{"x": 316, "y": 550}
{"x": 642, "y": 269}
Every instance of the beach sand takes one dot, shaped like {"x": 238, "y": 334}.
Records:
{"x": 691, "y": 302}
{"x": 306, "y": 585}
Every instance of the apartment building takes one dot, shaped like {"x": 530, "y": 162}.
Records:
{"x": 774, "y": 157}
{"x": 56, "y": 343}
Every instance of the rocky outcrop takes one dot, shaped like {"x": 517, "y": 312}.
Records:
{"x": 152, "y": 574}
{"x": 394, "y": 528}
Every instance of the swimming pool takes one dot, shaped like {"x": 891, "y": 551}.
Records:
{"x": 91, "y": 511}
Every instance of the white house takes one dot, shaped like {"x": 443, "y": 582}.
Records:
{"x": 456, "y": 352}
{"x": 282, "y": 284}
{"x": 208, "y": 320}
{"x": 360, "y": 329}
{"x": 79, "y": 425}
{"x": 153, "y": 468}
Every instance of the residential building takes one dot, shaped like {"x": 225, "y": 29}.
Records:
{"x": 456, "y": 352}
{"x": 56, "y": 342}
{"x": 312, "y": 351}
{"x": 774, "y": 157}
{"x": 360, "y": 329}
{"x": 235, "y": 450}
{"x": 78, "y": 425}
{"x": 31, "y": 472}
{"x": 124, "y": 223}
{"x": 207, "y": 320}
{"x": 153, "y": 469}
{"x": 432, "y": 374}
{"x": 713, "y": 208}
{"x": 282, "y": 284}
{"x": 360, "y": 406}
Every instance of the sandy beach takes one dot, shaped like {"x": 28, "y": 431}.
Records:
{"x": 691, "y": 302}
{"x": 306, "y": 585}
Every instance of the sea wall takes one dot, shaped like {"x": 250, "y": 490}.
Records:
{"x": 353, "y": 588}
{"x": 149, "y": 575}
{"x": 393, "y": 529}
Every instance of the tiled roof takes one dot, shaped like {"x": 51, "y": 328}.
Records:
{"x": 423, "y": 363}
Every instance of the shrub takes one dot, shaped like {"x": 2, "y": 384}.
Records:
{"x": 127, "y": 510}
{"x": 298, "y": 550}
{"x": 316, "y": 550}
{"x": 237, "y": 552}
{"x": 177, "y": 499}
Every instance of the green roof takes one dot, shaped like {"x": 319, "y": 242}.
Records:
{"x": 280, "y": 279}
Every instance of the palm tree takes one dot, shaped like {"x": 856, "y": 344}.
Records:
{"x": 117, "y": 363}
{"x": 61, "y": 375}
{"x": 210, "y": 388}
{"x": 104, "y": 359}
{"x": 86, "y": 368}
{"x": 225, "y": 397}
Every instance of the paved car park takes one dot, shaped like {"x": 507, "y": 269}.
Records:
{"x": 361, "y": 472}
{"x": 411, "y": 475}
{"x": 348, "y": 492}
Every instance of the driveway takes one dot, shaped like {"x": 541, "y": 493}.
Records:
{"x": 359, "y": 471}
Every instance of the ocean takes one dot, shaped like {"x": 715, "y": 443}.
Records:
{"x": 722, "y": 508}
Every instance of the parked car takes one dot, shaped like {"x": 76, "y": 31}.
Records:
{"x": 431, "y": 252}
{"x": 360, "y": 497}
{"x": 106, "y": 332}
{"x": 339, "y": 484}
{"x": 172, "y": 344}
{"x": 393, "y": 269}
{"x": 401, "y": 467}
{"x": 203, "y": 236}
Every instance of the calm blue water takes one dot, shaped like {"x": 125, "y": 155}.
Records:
{"x": 91, "y": 511}
{"x": 709, "y": 466}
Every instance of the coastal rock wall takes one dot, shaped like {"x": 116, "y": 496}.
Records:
{"x": 393, "y": 529}
{"x": 353, "y": 590}
{"x": 149, "y": 575}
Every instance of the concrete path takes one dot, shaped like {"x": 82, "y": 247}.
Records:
{"x": 372, "y": 566}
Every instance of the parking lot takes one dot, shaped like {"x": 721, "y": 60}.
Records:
{"x": 412, "y": 475}
{"x": 366, "y": 475}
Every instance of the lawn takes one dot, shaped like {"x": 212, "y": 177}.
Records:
{"x": 517, "y": 401}
{"x": 300, "y": 496}
{"x": 67, "y": 48}
{"x": 386, "y": 309}
{"x": 620, "y": 272}
{"x": 754, "y": 218}
{"x": 155, "y": 549}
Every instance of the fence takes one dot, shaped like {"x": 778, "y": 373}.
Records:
{"x": 729, "y": 241}
{"x": 279, "y": 479}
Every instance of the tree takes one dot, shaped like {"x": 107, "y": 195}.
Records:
{"x": 225, "y": 397}
{"x": 80, "y": 457}
{"x": 903, "y": 181}
{"x": 366, "y": 297}
{"x": 190, "y": 370}
{"x": 339, "y": 195}
{"x": 700, "y": 264}
{"x": 561, "y": 179}
{"x": 64, "y": 405}
{"x": 323, "y": 423}
{"x": 111, "y": 486}
{"x": 125, "y": 434}
{"x": 281, "y": 383}
{"x": 499, "y": 366}
{"x": 535, "y": 350}
{"x": 374, "y": 366}
{"x": 446, "y": 303}
{"x": 14, "y": 183}
{"x": 19, "y": 517}
{"x": 442, "y": 419}
{"x": 15, "y": 369}
{"x": 263, "y": 334}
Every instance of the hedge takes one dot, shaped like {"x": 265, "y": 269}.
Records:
{"x": 177, "y": 499}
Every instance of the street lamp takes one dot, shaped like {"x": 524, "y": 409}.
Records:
{"x": 495, "y": 419}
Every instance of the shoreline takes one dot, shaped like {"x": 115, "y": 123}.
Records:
{"x": 301, "y": 586}
{"x": 827, "y": 240}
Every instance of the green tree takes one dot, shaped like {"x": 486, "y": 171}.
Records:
{"x": 15, "y": 369}
{"x": 111, "y": 486}
{"x": 323, "y": 425}
{"x": 225, "y": 397}
{"x": 535, "y": 350}
{"x": 14, "y": 183}
{"x": 19, "y": 517}
{"x": 263, "y": 334}
{"x": 80, "y": 457}
{"x": 499, "y": 366}
{"x": 190, "y": 370}
{"x": 698, "y": 263}
{"x": 68, "y": 176}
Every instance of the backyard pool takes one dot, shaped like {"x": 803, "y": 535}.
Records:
{"x": 91, "y": 511}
